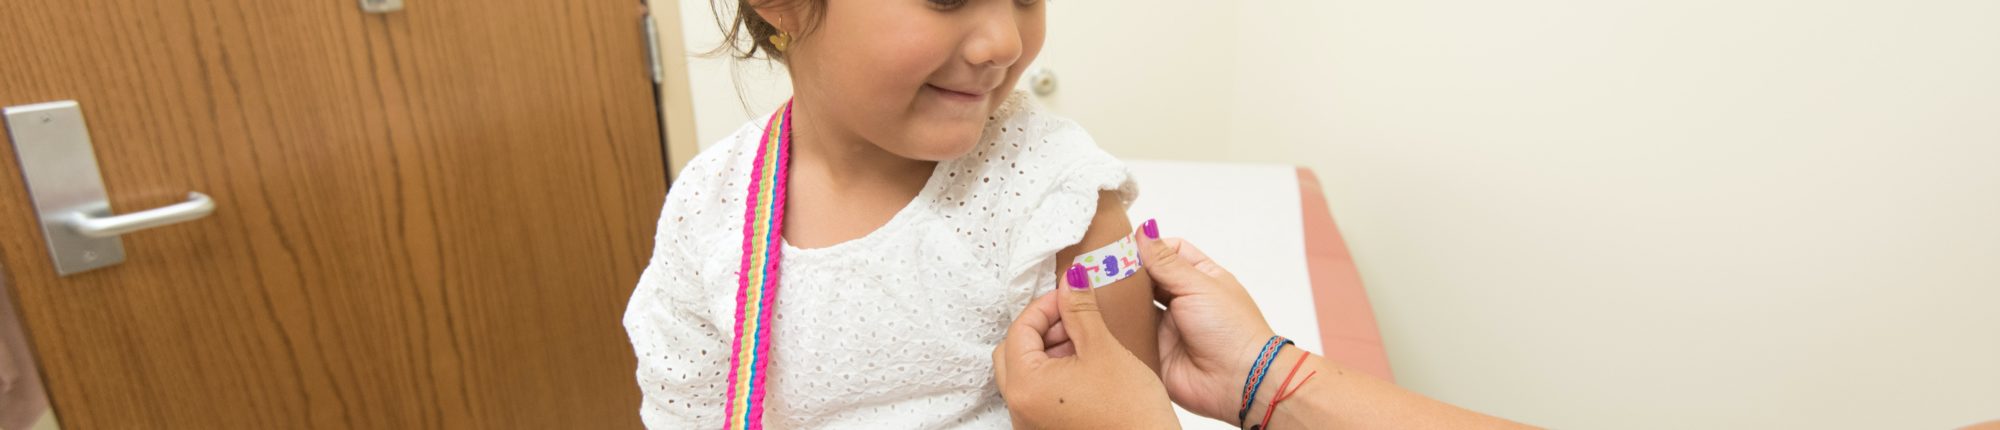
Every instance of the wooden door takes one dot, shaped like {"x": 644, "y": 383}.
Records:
{"x": 429, "y": 218}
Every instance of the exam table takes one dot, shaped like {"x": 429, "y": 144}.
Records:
{"x": 1271, "y": 226}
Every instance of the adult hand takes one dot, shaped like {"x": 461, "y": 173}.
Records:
{"x": 1098, "y": 385}
{"x": 1212, "y": 331}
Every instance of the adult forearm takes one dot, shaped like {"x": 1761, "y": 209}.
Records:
{"x": 1335, "y": 397}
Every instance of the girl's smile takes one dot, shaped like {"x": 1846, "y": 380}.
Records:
{"x": 968, "y": 96}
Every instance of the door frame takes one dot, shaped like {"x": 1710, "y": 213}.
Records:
{"x": 673, "y": 91}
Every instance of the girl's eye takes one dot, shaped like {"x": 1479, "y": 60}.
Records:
{"x": 955, "y": 4}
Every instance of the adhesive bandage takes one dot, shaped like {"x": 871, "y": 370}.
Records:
{"x": 1112, "y": 263}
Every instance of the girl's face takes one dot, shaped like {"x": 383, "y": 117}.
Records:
{"x": 917, "y": 78}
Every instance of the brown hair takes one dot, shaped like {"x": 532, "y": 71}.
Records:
{"x": 758, "y": 31}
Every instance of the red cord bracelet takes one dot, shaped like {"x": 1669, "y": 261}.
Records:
{"x": 1282, "y": 394}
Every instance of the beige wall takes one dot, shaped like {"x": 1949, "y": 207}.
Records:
{"x": 1603, "y": 213}
{"x": 721, "y": 105}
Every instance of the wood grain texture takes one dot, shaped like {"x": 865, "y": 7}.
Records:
{"x": 426, "y": 219}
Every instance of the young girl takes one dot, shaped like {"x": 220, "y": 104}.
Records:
{"x": 916, "y": 205}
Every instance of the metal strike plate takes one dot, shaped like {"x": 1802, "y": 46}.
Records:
{"x": 53, "y": 146}
{"x": 381, "y": 6}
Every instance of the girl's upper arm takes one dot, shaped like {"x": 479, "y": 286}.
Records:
{"x": 1127, "y": 304}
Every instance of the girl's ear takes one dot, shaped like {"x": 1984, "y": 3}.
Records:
{"x": 779, "y": 14}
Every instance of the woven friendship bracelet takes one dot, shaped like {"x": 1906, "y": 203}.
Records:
{"x": 1258, "y": 370}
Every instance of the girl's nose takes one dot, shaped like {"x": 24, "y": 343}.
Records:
{"x": 996, "y": 41}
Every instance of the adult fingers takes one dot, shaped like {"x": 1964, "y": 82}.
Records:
{"x": 1199, "y": 260}
{"x": 1023, "y": 348}
{"x": 1173, "y": 276}
{"x": 1057, "y": 341}
{"x": 1081, "y": 316}
{"x": 1000, "y": 367}
{"x": 1056, "y": 335}
{"x": 1060, "y": 350}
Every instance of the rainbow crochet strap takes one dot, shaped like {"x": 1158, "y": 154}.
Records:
{"x": 757, "y": 282}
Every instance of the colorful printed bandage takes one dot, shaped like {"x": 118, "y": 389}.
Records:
{"x": 1112, "y": 263}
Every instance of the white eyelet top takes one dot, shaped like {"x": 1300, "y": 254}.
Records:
{"x": 892, "y": 330}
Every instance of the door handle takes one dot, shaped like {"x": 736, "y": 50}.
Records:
{"x": 59, "y": 165}
{"x": 197, "y": 205}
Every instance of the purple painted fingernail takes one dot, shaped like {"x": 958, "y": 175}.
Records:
{"x": 1079, "y": 279}
{"x": 1152, "y": 228}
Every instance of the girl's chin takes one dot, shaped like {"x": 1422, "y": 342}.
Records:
{"x": 940, "y": 146}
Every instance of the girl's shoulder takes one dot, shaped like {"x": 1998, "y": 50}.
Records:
{"x": 715, "y": 163}
{"x": 1033, "y": 182}
{"x": 706, "y": 198}
{"x": 1035, "y": 153}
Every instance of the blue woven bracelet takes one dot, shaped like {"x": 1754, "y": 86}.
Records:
{"x": 1255, "y": 380}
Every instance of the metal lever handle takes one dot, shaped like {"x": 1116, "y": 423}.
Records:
{"x": 198, "y": 205}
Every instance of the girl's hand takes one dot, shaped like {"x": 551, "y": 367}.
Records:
{"x": 1212, "y": 330}
{"x": 1076, "y": 375}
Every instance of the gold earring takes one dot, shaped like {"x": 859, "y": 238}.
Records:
{"x": 780, "y": 41}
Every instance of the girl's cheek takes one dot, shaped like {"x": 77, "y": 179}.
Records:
{"x": 914, "y": 54}
{"x": 878, "y": 50}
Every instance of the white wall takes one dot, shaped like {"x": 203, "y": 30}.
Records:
{"x": 1607, "y": 213}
